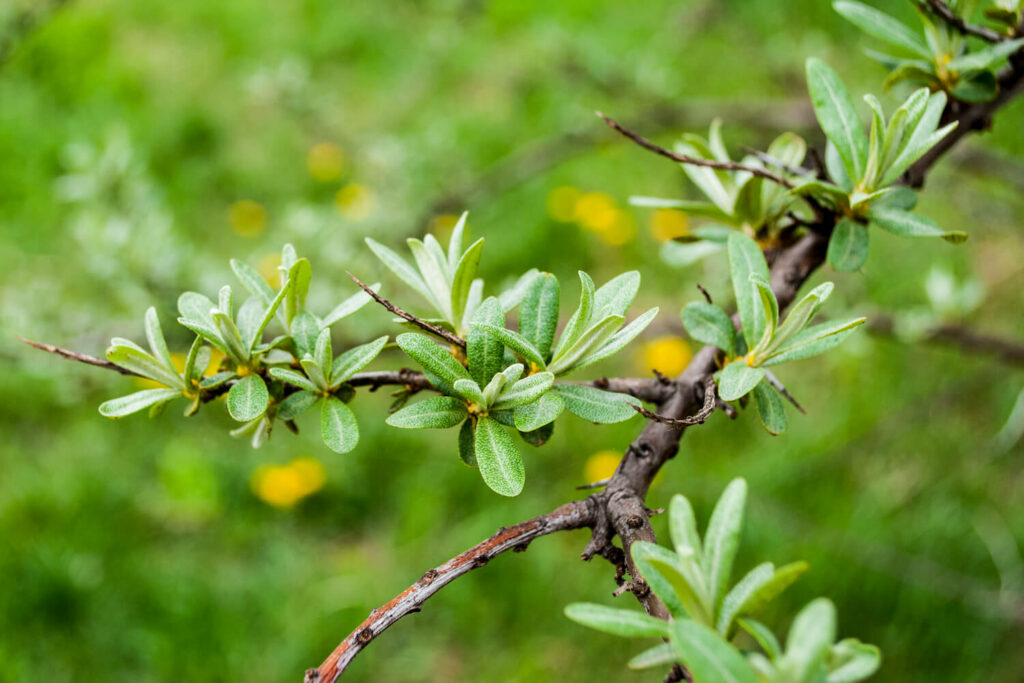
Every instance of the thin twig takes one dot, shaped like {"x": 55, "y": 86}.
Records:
{"x": 422, "y": 324}
{"x": 694, "y": 161}
{"x": 710, "y": 395}
{"x": 74, "y": 355}
{"x": 593, "y": 484}
{"x": 943, "y": 11}
{"x": 779, "y": 387}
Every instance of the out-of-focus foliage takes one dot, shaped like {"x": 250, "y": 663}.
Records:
{"x": 142, "y": 145}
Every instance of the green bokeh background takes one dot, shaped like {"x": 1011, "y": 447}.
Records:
{"x": 136, "y": 550}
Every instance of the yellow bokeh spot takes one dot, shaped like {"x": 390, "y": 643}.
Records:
{"x": 596, "y": 211}
{"x": 667, "y": 355}
{"x": 268, "y": 268}
{"x": 667, "y": 224}
{"x": 562, "y": 203}
{"x": 247, "y": 218}
{"x": 325, "y": 162}
{"x": 622, "y": 229}
{"x": 355, "y": 202}
{"x": 282, "y": 486}
{"x": 441, "y": 226}
{"x": 601, "y": 466}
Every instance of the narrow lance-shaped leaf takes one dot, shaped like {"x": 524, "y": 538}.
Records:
{"x": 707, "y": 656}
{"x": 595, "y": 405}
{"x": 617, "y": 341}
{"x": 848, "y": 246}
{"x": 525, "y": 391}
{"x": 812, "y": 632}
{"x": 884, "y": 27}
{"x": 543, "y": 411}
{"x": 440, "y": 366}
{"x": 465, "y": 272}
{"x": 616, "y": 296}
{"x": 470, "y": 391}
{"x": 619, "y": 622}
{"x": 538, "y": 315}
{"x": 438, "y": 412}
{"x": 515, "y": 342}
{"x": 484, "y": 352}
{"x": 133, "y": 403}
{"x": 157, "y": 343}
{"x": 850, "y": 661}
{"x": 837, "y": 116}
{"x": 746, "y": 259}
{"x": 761, "y": 585}
{"x": 138, "y": 361}
{"x": 723, "y": 538}
{"x": 397, "y": 265}
{"x": 580, "y": 320}
{"x": 814, "y": 340}
{"x": 296, "y": 404}
{"x": 355, "y": 359}
{"x": 498, "y": 458}
{"x": 907, "y": 224}
{"x": 294, "y": 378}
{"x": 349, "y": 306}
{"x": 659, "y": 655}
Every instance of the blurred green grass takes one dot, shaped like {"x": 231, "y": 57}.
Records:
{"x": 137, "y": 550}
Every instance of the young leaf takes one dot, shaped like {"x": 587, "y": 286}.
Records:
{"x": 526, "y": 390}
{"x": 763, "y": 635}
{"x": 837, "y": 117}
{"x": 253, "y": 281}
{"x": 770, "y": 408}
{"x": 293, "y": 378}
{"x": 133, "y": 403}
{"x": 217, "y": 380}
{"x": 801, "y": 314}
{"x": 738, "y": 379}
{"x": 315, "y": 373}
{"x": 907, "y": 224}
{"x": 349, "y": 306}
{"x": 761, "y": 585}
{"x": 455, "y": 241}
{"x": 709, "y": 324}
{"x": 138, "y": 361}
{"x": 296, "y": 404}
{"x": 722, "y": 539}
{"x": 293, "y": 301}
{"x": 470, "y": 390}
{"x": 848, "y": 246}
{"x": 619, "y": 622}
{"x": 484, "y": 352}
{"x": 440, "y": 366}
{"x": 248, "y": 398}
{"x": 578, "y": 354}
{"x": 595, "y": 405}
{"x": 517, "y": 343}
{"x": 465, "y": 272}
{"x": 493, "y": 389}
{"x": 617, "y": 295}
{"x": 770, "y": 307}
{"x": 850, "y": 661}
{"x": 338, "y": 426}
{"x": 538, "y": 315}
{"x": 196, "y": 361}
{"x": 675, "y": 578}
{"x": 619, "y": 339}
{"x": 814, "y": 340}
{"x": 580, "y": 320}
{"x": 498, "y": 458}
{"x": 682, "y": 525}
{"x": 438, "y": 412}
{"x": 355, "y": 359}
{"x": 543, "y": 411}
{"x": 305, "y": 329}
{"x": 659, "y": 655}
{"x": 812, "y": 632}
{"x": 707, "y": 656}
{"x": 323, "y": 354}
{"x": 746, "y": 259}
{"x": 157, "y": 343}
{"x": 884, "y": 27}
{"x": 510, "y": 298}
{"x": 397, "y": 265}
{"x": 985, "y": 58}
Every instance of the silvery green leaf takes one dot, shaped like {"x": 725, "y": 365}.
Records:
{"x": 476, "y": 295}
{"x": 349, "y": 306}
{"x": 578, "y": 354}
{"x": 133, "y": 403}
{"x": 505, "y": 418}
{"x": 825, "y": 193}
{"x": 617, "y": 295}
{"x": 248, "y": 320}
{"x": 323, "y": 354}
{"x": 314, "y": 372}
{"x": 297, "y": 284}
{"x": 901, "y": 197}
{"x": 435, "y": 250}
{"x": 435, "y": 277}
{"x": 224, "y": 301}
{"x": 770, "y": 307}
{"x": 466, "y": 452}
{"x": 986, "y": 57}
{"x": 595, "y": 405}
{"x": 214, "y": 381}
{"x": 850, "y": 661}
{"x": 580, "y": 320}
{"x": 268, "y": 314}
{"x": 707, "y": 656}
{"x": 884, "y": 27}
{"x": 693, "y": 208}
{"x": 722, "y": 540}
{"x": 538, "y": 437}
{"x": 761, "y": 585}
{"x": 257, "y": 429}
{"x": 196, "y": 361}
{"x": 355, "y": 359}
{"x": 683, "y": 255}
{"x": 814, "y": 340}
{"x": 471, "y": 391}
{"x": 619, "y": 339}
{"x": 236, "y": 346}
{"x": 538, "y": 315}
{"x": 455, "y": 241}
{"x": 921, "y": 123}
{"x": 248, "y": 398}
{"x": 876, "y": 141}
{"x": 293, "y": 378}
{"x": 252, "y": 281}
{"x": 659, "y": 655}
{"x": 619, "y": 622}
{"x": 142, "y": 363}
{"x": 157, "y": 343}
{"x": 848, "y": 245}
{"x": 195, "y": 315}
{"x": 271, "y": 355}
{"x": 738, "y": 379}
{"x": 790, "y": 149}
{"x": 682, "y": 526}
{"x": 837, "y": 117}
{"x": 438, "y": 412}
{"x": 836, "y": 170}
{"x": 543, "y": 411}
{"x": 493, "y": 388}
{"x": 907, "y": 224}
{"x": 338, "y": 426}
{"x": 462, "y": 281}
{"x": 288, "y": 257}
{"x": 513, "y": 373}
{"x": 304, "y": 330}
{"x": 296, "y": 404}
{"x": 709, "y": 324}
{"x": 801, "y": 314}
{"x": 438, "y": 364}
{"x": 716, "y": 185}
{"x": 763, "y": 635}
{"x": 511, "y": 298}
{"x": 746, "y": 259}
{"x": 770, "y": 408}
{"x": 526, "y": 390}
{"x": 809, "y": 639}
{"x": 676, "y": 579}
{"x": 498, "y": 458}
{"x": 397, "y": 265}
{"x": 484, "y": 352}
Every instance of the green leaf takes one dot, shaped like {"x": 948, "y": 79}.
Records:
{"x": 484, "y": 352}
{"x": 338, "y": 426}
{"x": 470, "y": 390}
{"x": 250, "y": 314}
{"x": 440, "y": 366}
{"x": 769, "y": 305}
{"x": 304, "y": 330}
{"x": 884, "y": 27}
{"x": 323, "y": 354}
{"x": 716, "y": 185}
{"x": 133, "y": 403}
{"x": 709, "y": 324}
{"x": 619, "y": 339}
{"x": 397, "y": 265}
{"x": 659, "y": 655}
{"x": 466, "y": 451}
{"x": 707, "y": 656}
{"x": 923, "y": 137}
{"x": 438, "y": 412}
{"x": 682, "y": 526}
{"x": 746, "y": 259}
{"x": 907, "y": 224}
{"x": 801, "y": 314}
{"x": 763, "y": 635}
{"x": 619, "y": 622}
{"x": 538, "y": 315}
{"x": 580, "y": 320}
{"x": 761, "y": 585}
{"x": 355, "y": 359}
{"x": 511, "y": 298}
{"x": 693, "y": 208}
{"x": 814, "y": 340}
{"x": 196, "y": 361}
{"x": 349, "y": 306}
{"x": 980, "y": 86}
{"x": 465, "y": 272}
{"x": 253, "y": 281}
{"x": 582, "y": 351}
{"x": 498, "y": 458}
{"x": 297, "y": 286}
{"x": 675, "y": 578}
{"x": 812, "y": 632}
{"x": 235, "y": 346}
{"x": 494, "y": 387}
{"x": 195, "y": 310}
{"x": 738, "y": 379}
{"x": 985, "y": 58}
{"x": 533, "y": 416}
{"x": 850, "y": 661}
{"x": 455, "y": 241}
{"x": 294, "y": 378}
{"x": 837, "y": 117}
{"x": 722, "y": 540}
{"x": 314, "y": 372}
{"x": 770, "y": 408}
{"x": 217, "y": 380}
{"x": 516, "y": 343}
{"x": 848, "y": 246}
{"x": 537, "y": 437}
{"x": 138, "y": 361}
{"x": 296, "y": 404}
{"x": 248, "y": 398}
{"x": 157, "y": 343}
{"x": 595, "y": 405}
{"x": 526, "y": 390}
{"x": 617, "y": 295}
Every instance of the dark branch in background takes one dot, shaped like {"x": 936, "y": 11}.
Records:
{"x": 422, "y": 324}
{"x": 23, "y": 24}
{"x": 1008, "y": 351}
{"x": 942, "y": 11}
